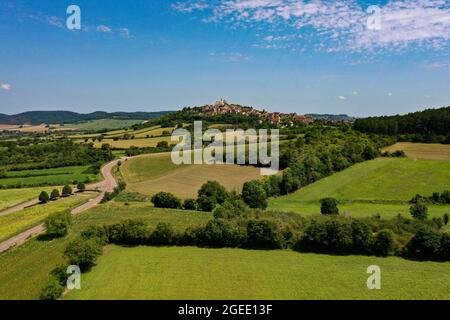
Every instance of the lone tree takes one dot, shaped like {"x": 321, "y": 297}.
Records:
{"x": 329, "y": 206}
{"x": 43, "y": 197}
{"x": 419, "y": 211}
{"x": 446, "y": 218}
{"x": 55, "y": 194}
{"x": 81, "y": 187}
{"x": 67, "y": 190}
{"x": 57, "y": 224}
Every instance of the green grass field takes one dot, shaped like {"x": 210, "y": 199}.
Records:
{"x": 194, "y": 273}
{"x": 11, "y": 197}
{"x": 103, "y": 124}
{"x": 14, "y": 223}
{"x": 24, "y": 270}
{"x": 383, "y": 180}
{"x": 53, "y": 176}
{"x": 150, "y": 174}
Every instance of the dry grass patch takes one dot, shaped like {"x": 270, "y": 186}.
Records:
{"x": 423, "y": 151}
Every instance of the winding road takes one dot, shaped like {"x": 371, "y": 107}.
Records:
{"x": 107, "y": 185}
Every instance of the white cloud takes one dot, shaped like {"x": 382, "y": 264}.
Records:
{"x": 341, "y": 25}
{"x": 342, "y": 98}
{"x": 355, "y": 93}
{"x": 230, "y": 56}
{"x": 5, "y": 86}
{"x": 125, "y": 33}
{"x": 390, "y": 94}
{"x": 103, "y": 28}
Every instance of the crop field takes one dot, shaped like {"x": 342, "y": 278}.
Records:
{"x": 14, "y": 223}
{"x": 194, "y": 273}
{"x": 53, "y": 176}
{"x": 24, "y": 270}
{"x": 387, "y": 183}
{"x": 150, "y": 174}
{"x": 11, "y": 197}
{"x": 423, "y": 151}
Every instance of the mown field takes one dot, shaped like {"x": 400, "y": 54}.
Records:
{"x": 150, "y": 174}
{"x": 379, "y": 186}
{"x": 53, "y": 176}
{"x": 24, "y": 270}
{"x": 103, "y": 124}
{"x": 14, "y": 223}
{"x": 193, "y": 273}
{"x": 422, "y": 151}
{"x": 11, "y": 197}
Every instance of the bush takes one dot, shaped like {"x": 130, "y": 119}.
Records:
{"x": 254, "y": 194}
{"x": 383, "y": 245}
{"x": 425, "y": 245}
{"x": 83, "y": 253}
{"x": 419, "y": 211}
{"x": 190, "y": 204}
{"x": 231, "y": 208}
{"x": 362, "y": 237}
{"x": 81, "y": 187}
{"x": 263, "y": 234}
{"x": 57, "y": 224}
{"x": 272, "y": 186}
{"x": 55, "y": 194}
{"x": 210, "y": 194}
{"x": 446, "y": 218}
{"x": 43, "y": 197}
{"x": 329, "y": 206}
{"x": 97, "y": 233}
{"x": 220, "y": 233}
{"x": 67, "y": 190}
{"x": 166, "y": 200}
{"x": 52, "y": 290}
{"x": 129, "y": 232}
{"x": 163, "y": 235}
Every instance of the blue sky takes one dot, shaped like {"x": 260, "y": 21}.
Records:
{"x": 282, "y": 55}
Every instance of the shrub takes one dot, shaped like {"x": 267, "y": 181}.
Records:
{"x": 52, "y": 289}
{"x": 67, "y": 190}
{"x": 219, "y": 233}
{"x": 83, "y": 253}
{"x": 166, "y": 200}
{"x": 383, "y": 245}
{"x": 419, "y": 211}
{"x": 129, "y": 232}
{"x": 444, "y": 252}
{"x": 163, "y": 235}
{"x": 362, "y": 237}
{"x": 97, "y": 233}
{"x": 55, "y": 194}
{"x": 190, "y": 204}
{"x": 263, "y": 234}
{"x": 446, "y": 218}
{"x": 425, "y": 245}
{"x": 43, "y": 197}
{"x": 231, "y": 208}
{"x": 57, "y": 224}
{"x": 329, "y": 206}
{"x": 81, "y": 187}
{"x": 272, "y": 186}
{"x": 254, "y": 194}
{"x": 210, "y": 194}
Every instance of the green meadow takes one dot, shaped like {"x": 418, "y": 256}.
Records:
{"x": 381, "y": 186}
{"x": 194, "y": 273}
{"x": 11, "y": 197}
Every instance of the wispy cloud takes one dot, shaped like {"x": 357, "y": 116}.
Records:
{"x": 5, "y": 86}
{"x": 341, "y": 97}
{"x": 103, "y": 28}
{"x": 336, "y": 26}
{"x": 230, "y": 56}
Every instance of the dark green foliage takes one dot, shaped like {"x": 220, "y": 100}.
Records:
{"x": 263, "y": 234}
{"x": 83, "y": 253}
{"x": 329, "y": 206}
{"x": 419, "y": 211}
{"x": 67, "y": 190}
{"x": 81, "y": 187}
{"x": 163, "y": 235}
{"x": 254, "y": 194}
{"x": 362, "y": 237}
{"x": 57, "y": 224}
{"x": 98, "y": 233}
{"x": 129, "y": 232}
{"x": 231, "y": 208}
{"x": 43, "y": 197}
{"x": 210, "y": 194}
{"x": 435, "y": 198}
{"x": 166, "y": 200}
{"x": 52, "y": 289}
{"x": 383, "y": 245}
{"x": 446, "y": 218}
{"x": 55, "y": 194}
{"x": 190, "y": 204}
{"x": 425, "y": 245}
{"x": 220, "y": 233}
{"x": 272, "y": 186}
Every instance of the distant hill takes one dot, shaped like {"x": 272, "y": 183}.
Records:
{"x": 67, "y": 117}
{"x": 331, "y": 117}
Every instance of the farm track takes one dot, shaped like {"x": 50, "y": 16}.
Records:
{"x": 107, "y": 185}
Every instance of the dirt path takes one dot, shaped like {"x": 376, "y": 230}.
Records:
{"x": 107, "y": 185}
